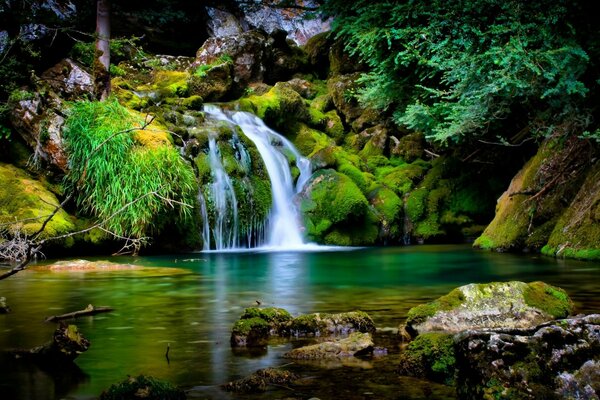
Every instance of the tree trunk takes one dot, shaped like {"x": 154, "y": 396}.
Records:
{"x": 102, "y": 62}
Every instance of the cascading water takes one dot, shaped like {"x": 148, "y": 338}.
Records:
{"x": 225, "y": 227}
{"x": 283, "y": 230}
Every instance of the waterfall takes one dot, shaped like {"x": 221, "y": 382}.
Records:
{"x": 284, "y": 229}
{"x": 225, "y": 226}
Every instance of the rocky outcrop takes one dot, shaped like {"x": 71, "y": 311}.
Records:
{"x": 255, "y": 56}
{"x": 558, "y": 359}
{"x": 498, "y": 305}
{"x": 69, "y": 80}
{"x": 143, "y": 387}
{"x": 551, "y": 204}
{"x": 355, "y": 344}
{"x": 257, "y": 325}
{"x": 269, "y": 17}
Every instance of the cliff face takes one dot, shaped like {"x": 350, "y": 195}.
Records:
{"x": 552, "y": 204}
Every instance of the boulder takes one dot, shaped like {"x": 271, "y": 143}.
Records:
{"x": 321, "y": 324}
{"x": 250, "y": 53}
{"x": 260, "y": 380}
{"x": 559, "y": 359}
{"x": 4, "y": 308}
{"x": 214, "y": 82}
{"x": 431, "y": 355}
{"x": 256, "y": 325}
{"x": 69, "y": 80}
{"x": 497, "y": 305}
{"x": 143, "y": 387}
{"x": 343, "y": 94}
{"x": 354, "y": 345}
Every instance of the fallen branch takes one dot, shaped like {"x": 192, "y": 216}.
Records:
{"x": 89, "y": 310}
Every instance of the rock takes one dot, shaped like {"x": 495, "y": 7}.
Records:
{"x": 356, "y": 344}
{"x": 256, "y": 325}
{"x": 4, "y": 308}
{"x": 214, "y": 83}
{"x": 250, "y": 53}
{"x": 26, "y": 202}
{"x": 317, "y": 49}
{"x": 431, "y": 355}
{"x": 222, "y": 23}
{"x": 509, "y": 305}
{"x": 143, "y": 387}
{"x": 39, "y": 121}
{"x": 558, "y": 359}
{"x": 376, "y": 141}
{"x": 321, "y": 324}
{"x": 336, "y": 211}
{"x": 343, "y": 94}
{"x": 544, "y": 190}
{"x": 260, "y": 380}
{"x": 66, "y": 345}
{"x": 69, "y": 80}
{"x": 409, "y": 147}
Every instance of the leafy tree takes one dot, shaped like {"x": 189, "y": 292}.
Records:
{"x": 459, "y": 69}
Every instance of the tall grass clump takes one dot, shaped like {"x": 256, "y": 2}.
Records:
{"x": 134, "y": 188}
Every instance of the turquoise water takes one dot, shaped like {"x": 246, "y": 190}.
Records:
{"x": 190, "y": 302}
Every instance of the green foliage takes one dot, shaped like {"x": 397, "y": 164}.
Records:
{"x": 150, "y": 388}
{"x": 116, "y": 179}
{"x": 120, "y": 49}
{"x": 454, "y": 69}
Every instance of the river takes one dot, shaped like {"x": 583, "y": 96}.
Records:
{"x": 190, "y": 302}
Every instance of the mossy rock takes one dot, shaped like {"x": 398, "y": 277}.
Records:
{"x": 494, "y": 305}
{"x": 357, "y": 343}
{"x": 409, "y": 147}
{"x": 259, "y": 381}
{"x": 256, "y": 325}
{"x": 212, "y": 82}
{"x": 143, "y": 387}
{"x": 389, "y": 207}
{"x": 25, "y": 203}
{"x": 279, "y": 107}
{"x": 526, "y": 207}
{"x": 322, "y": 324}
{"x": 431, "y": 355}
{"x": 577, "y": 231}
{"x": 333, "y": 197}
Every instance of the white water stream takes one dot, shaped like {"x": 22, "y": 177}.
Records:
{"x": 284, "y": 228}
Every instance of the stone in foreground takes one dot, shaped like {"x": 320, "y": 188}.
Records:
{"x": 356, "y": 344}
{"x": 496, "y": 305}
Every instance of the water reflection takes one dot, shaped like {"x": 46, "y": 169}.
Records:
{"x": 193, "y": 307}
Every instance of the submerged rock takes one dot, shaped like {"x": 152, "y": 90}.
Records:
{"x": 260, "y": 380}
{"x": 321, "y": 324}
{"x": 497, "y": 305}
{"x": 356, "y": 344}
{"x": 66, "y": 345}
{"x": 4, "y": 308}
{"x": 143, "y": 387}
{"x": 431, "y": 355}
{"x": 558, "y": 359}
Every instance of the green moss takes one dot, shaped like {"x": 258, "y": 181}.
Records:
{"x": 549, "y": 299}
{"x": 390, "y": 209}
{"x": 420, "y": 313}
{"x": 270, "y": 314}
{"x": 171, "y": 83}
{"x": 145, "y": 387}
{"x": 194, "y": 102}
{"x": 322, "y": 103}
{"x": 26, "y": 202}
{"x": 251, "y": 326}
{"x": 430, "y": 355}
{"x": 279, "y": 107}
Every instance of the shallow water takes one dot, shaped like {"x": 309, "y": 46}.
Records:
{"x": 191, "y": 302}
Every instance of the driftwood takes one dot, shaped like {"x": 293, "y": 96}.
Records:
{"x": 89, "y": 310}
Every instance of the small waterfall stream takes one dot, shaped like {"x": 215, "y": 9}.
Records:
{"x": 283, "y": 228}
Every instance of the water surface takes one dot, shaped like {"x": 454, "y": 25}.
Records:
{"x": 191, "y": 302}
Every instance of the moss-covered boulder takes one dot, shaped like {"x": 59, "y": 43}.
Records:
{"x": 431, "y": 355}
{"x": 494, "y": 305}
{"x": 322, "y": 324}
{"x": 355, "y": 344}
{"x": 212, "y": 82}
{"x": 143, "y": 387}
{"x": 343, "y": 90}
{"x": 527, "y": 213}
{"x": 260, "y": 381}
{"x": 577, "y": 232}
{"x": 256, "y": 325}
{"x": 557, "y": 360}
{"x": 279, "y": 107}
{"x": 25, "y": 203}
{"x": 336, "y": 211}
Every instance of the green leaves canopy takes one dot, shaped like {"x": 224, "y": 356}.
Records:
{"x": 453, "y": 69}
